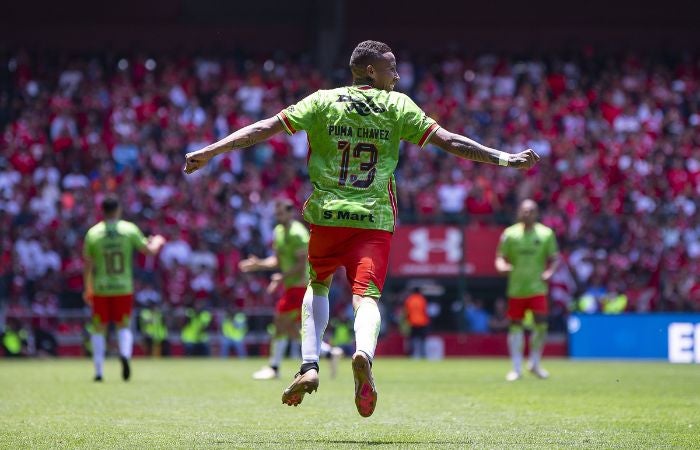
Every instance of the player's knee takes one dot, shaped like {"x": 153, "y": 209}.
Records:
{"x": 320, "y": 288}
{"x": 358, "y": 300}
{"x": 541, "y": 324}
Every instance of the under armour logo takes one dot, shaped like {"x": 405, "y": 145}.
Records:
{"x": 423, "y": 245}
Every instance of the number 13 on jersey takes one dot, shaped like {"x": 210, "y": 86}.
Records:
{"x": 365, "y": 151}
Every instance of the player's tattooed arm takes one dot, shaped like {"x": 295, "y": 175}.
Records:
{"x": 466, "y": 148}
{"x": 245, "y": 137}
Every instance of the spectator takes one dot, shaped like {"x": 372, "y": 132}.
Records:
{"x": 499, "y": 321}
{"x": 416, "y": 307}
{"x": 476, "y": 316}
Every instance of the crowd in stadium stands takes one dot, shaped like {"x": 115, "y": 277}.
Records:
{"x": 619, "y": 179}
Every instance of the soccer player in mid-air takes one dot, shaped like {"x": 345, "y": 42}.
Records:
{"x": 109, "y": 283}
{"x": 528, "y": 254}
{"x": 354, "y": 135}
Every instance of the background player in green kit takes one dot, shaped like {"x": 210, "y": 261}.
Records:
{"x": 109, "y": 283}
{"x": 354, "y": 134}
{"x": 291, "y": 243}
{"x": 528, "y": 254}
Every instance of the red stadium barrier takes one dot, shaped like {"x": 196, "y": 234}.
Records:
{"x": 465, "y": 344}
{"x": 395, "y": 344}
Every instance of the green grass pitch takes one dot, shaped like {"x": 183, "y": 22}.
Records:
{"x": 211, "y": 403}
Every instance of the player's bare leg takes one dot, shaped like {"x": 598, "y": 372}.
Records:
{"x": 367, "y": 323}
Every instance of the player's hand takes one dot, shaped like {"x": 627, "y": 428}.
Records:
{"x": 87, "y": 297}
{"x": 275, "y": 281}
{"x": 546, "y": 275}
{"x": 277, "y": 277}
{"x": 158, "y": 240}
{"x": 248, "y": 264}
{"x": 196, "y": 160}
{"x": 504, "y": 268}
{"x": 523, "y": 160}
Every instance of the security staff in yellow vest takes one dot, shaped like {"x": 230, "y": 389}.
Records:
{"x": 14, "y": 340}
{"x": 154, "y": 330}
{"x": 195, "y": 336}
{"x": 614, "y": 303}
{"x": 342, "y": 336}
{"x": 234, "y": 328}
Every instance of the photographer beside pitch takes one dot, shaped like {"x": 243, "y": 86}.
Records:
{"x": 528, "y": 254}
{"x": 354, "y": 135}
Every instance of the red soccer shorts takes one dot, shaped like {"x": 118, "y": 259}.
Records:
{"x": 291, "y": 300}
{"x": 364, "y": 254}
{"x": 112, "y": 308}
{"x": 518, "y": 306}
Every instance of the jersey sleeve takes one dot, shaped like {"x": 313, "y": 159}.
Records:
{"x": 552, "y": 247}
{"x": 89, "y": 246}
{"x": 300, "y": 239}
{"x": 299, "y": 116}
{"x": 138, "y": 240}
{"x": 417, "y": 126}
{"x": 503, "y": 245}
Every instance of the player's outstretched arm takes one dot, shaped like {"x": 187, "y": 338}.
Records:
{"x": 466, "y": 148}
{"x": 245, "y": 137}
{"x": 253, "y": 263}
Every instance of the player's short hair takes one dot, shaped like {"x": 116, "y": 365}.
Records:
{"x": 110, "y": 204}
{"x": 286, "y": 203}
{"x": 366, "y": 53}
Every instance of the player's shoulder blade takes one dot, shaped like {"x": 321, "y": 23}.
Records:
{"x": 513, "y": 229}
{"x": 124, "y": 226}
{"x": 544, "y": 229}
{"x": 95, "y": 229}
{"x": 299, "y": 228}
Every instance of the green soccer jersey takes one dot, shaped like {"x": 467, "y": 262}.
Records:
{"x": 354, "y": 134}
{"x": 529, "y": 253}
{"x": 110, "y": 246}
{"x": 287, "y": 243}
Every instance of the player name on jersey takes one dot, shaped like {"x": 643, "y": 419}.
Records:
{"x": 346, "y": 215}
{"x": 360, "y": 132}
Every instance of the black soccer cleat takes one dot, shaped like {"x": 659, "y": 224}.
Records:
{"x": 126, "y": 370}
{"x": 98, "y": 379}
